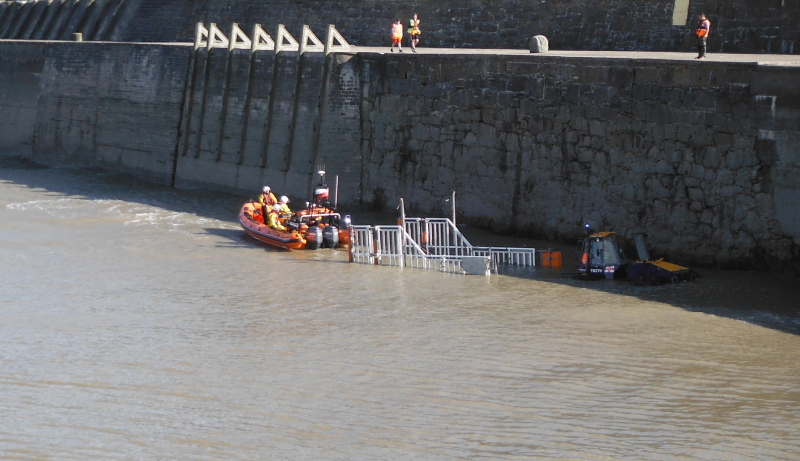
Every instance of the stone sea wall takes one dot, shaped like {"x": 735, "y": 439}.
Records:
{"x": 269, "y": 118}
{"x": 739, "y": 26}
{"x": 702, "y": 156}
{"x": 92, "y": 104}
{"x": 749, "y": 26}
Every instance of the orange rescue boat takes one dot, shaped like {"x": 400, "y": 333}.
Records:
{"x": 251, "y": 218}
{"x": 312, "y": 228}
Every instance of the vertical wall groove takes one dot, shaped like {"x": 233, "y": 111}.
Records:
{"x": 26, "y": 10}
{"x": 62, "y": 24}
{"x": 287, "y": 163}
{"x": 270, "y": 113}
{"x": 321, "y": 109}
{"x": 13, "y": 12}
{"x": 48, "y": 19}
{"x": 226, "y": 92}
{"x": 4, "y": 8}
{"x": 186, "y": 109}
{"x": 106, "y": 27}
{"x": 39, "y": 10}
{"x": 203, "y": 103}
{"x": 247, "y": 107}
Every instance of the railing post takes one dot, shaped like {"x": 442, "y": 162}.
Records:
{"x": 353, "y": 242}
{"x": 400, "y": 245}
{"x": 376, "y": 246}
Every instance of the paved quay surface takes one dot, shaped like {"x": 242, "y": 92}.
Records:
{"x": 761, "y": 59}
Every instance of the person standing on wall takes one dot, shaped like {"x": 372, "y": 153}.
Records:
{"x": 414, "y": 32}
{"x": 703, "y": 28}
{"x": 397, "y": 35}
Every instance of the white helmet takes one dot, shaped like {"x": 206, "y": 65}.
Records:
{"x": 276, "y": 207}
{"x": 267, "y": 189}
{"x": 284, "y": 199}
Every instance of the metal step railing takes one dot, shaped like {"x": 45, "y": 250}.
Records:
{"x": 438, "y": 236}
{"x": 508, "y": 255}
{"x": 427, "y": 243}
{"x": 385, "y": 246}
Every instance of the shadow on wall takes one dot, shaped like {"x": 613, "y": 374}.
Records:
{"x": 97, "y": 20}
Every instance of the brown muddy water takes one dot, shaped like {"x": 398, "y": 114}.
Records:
{"x": 139, "y": 322}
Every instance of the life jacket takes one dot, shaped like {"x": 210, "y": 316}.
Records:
{"x": 397, "y": 30}
{"x": 267, "y": 198}
{"x": 414, "y": 29}
{"x": 702, "y": 28}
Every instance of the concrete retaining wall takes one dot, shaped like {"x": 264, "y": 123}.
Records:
{"x": 703, "y": 156}
{"x": 255, "y": 119}
{"x": 82, "y": 104}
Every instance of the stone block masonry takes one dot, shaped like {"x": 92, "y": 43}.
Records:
{"x": 743, "y": 26}
{"x": 539, "y": 145}
{"x": 738, "y": 26}
{"x": 702, "y": 156}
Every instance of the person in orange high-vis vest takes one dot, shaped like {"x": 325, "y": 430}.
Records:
{"x": 397, "y": 36}
{"x": 702, "y": 30}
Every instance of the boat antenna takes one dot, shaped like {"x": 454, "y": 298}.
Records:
{"x": 336, "y": 194}
{"x": 454, "y": 208}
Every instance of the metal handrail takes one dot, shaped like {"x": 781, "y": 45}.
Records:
{"x": 427, "y": 243}
{"x": 438, "y": 236}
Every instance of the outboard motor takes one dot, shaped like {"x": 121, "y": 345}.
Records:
{"x": 330, "y": 237}
{"x": 314, "y": 238}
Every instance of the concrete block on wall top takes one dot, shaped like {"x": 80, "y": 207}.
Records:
{"x": 538, "y": 44}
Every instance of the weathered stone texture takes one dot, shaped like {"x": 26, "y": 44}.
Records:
{"x": 744, "y": 26}
{"x": 747, "y": 26}
{"x": 539, "y": 147}
{"x": 91, "y": 104}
